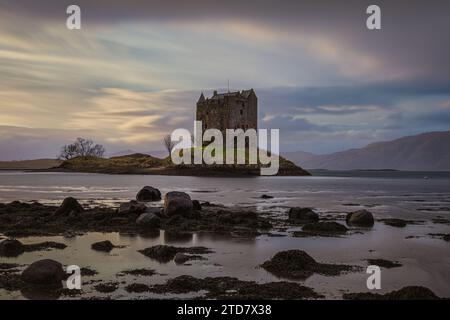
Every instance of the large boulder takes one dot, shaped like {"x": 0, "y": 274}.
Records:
{"x": 176, "y": 202}
{"x": 361, "y": 218}
{"x": 298, "y": 214}
{"x": 148, "y": 220}
{"x": 105, "y": 246}
{"x": 180, "y": 258}
{"x": 45, "y": 272}
{"x": 297, "y": 264}
{"x": 148, "y": 194}
{"x": 70, "y": 206}
{"x": 11, "y": 248}
{"x": 131, "y": 207}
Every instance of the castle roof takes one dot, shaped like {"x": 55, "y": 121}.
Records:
{"x": 245, "y": 94}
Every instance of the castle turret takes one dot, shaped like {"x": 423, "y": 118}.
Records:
{"x": 201, "y": 99}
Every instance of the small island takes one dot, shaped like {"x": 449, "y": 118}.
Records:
{"x": 145, "y": 164}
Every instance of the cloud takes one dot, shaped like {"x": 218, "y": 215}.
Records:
{"x": 135, "y": 70}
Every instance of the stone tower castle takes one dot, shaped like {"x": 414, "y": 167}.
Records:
{"x": 230, "y": 110}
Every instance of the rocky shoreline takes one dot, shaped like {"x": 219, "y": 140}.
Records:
{"x": 180, "y": 215}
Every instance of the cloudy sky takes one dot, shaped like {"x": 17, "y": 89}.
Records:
{"x": 136, "y": 68}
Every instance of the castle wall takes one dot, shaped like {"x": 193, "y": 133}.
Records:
{"x": 230, "y": 111}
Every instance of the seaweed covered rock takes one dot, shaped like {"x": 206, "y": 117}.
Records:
{"x": 176, "y": 202}
{"x": 384, "y": 263}
{"x": 325, "y": 228}
{"x": 297, "y": 264}
{"x": 148, "y": 220}
{"x": 302, "y": 215}
{"x": 180, "y": 258}
{"x": 148, "y": 194}
{"x": 105, "y": 246}
{"x": 233, "y": 288}
{"x": 405, "y": 293}
{"x": 361, "y": 218}
{"x": 11, "y": 248}
{"x": 394, "y": 222}
{"x": 70, "y": 206}
{"x": 165, "y": 253}
{"x": 131, "y": 207}
{"x": 161, "y": 253}
{"x": 45, "y": 272}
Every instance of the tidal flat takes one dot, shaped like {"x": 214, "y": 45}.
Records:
{"x": 223, "y": 250}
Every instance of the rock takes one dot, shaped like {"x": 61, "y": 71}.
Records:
{"x": 180, "y": 258}
{"x": 291, "y": 264}
{"x": 11, "y": 248}
{"x": 164, "y": 253}
{"x": 105, "y": 246}
{"x": 398, "y": 223}
{"x": 107, "y": 287}
{"x": 384, "y": 263}
{"x": 45, "y": 272}
{"x": 265, "y": 196}
{"x": 148, "y": 220}
{"x": 328, "y": 227}
{"x": 69, "y": 206}
{"x": 196, "y": 205}
{"x": 138, "y": 272}
{"x": 46, "y": 245}
{"x": 298, "y": 214}
{"x": 446, "y": 237}
{"x": 232, "y": 288}
{"x": 161, "y": 253}
{"x": 176, "y": 202}
{"x": 361, "y": 218}
{"x": 137, "y": 288}
{"x": 88, "y": 272}
{"x": 405, "y": 293}
{"x": 148, "y": 194}
{"x": 297, "y": 264}
{"x": 132, "y": 207}
{"x": 157, "y": 211}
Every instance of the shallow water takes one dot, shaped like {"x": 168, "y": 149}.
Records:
{"x": 426, "y": 260}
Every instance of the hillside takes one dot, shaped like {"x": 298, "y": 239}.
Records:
{"x": 423, "y": 152}
{"x": 144, "y": 164}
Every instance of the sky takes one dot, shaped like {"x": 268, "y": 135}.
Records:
{"x": 135, "y": 70}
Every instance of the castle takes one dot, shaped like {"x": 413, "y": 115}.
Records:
{"x": 230, "y": 110}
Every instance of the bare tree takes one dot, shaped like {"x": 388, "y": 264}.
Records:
{"x": 82, "y": 148}
{"x": 168, "y": 144}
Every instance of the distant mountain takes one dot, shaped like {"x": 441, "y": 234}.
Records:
{"x": 423, "y": 152}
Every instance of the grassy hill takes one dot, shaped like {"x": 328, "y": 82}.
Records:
{"x": 145, "y": 164}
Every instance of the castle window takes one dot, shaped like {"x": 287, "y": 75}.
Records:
{"x": 242, "y": 112}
